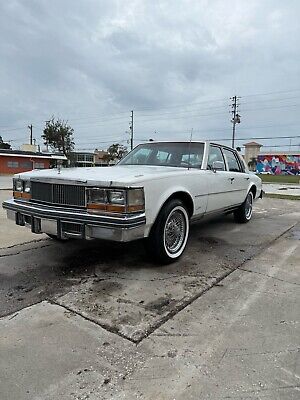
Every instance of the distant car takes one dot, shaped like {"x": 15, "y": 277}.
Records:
{"x": 152, "y": 194}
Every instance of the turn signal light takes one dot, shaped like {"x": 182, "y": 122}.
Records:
{"x": 21, "y": 195}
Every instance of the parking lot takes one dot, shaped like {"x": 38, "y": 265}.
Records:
{"x": 128, "y": 307}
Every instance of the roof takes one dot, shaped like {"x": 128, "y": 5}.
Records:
{"x": 252, "y": 144}
{"x": 31, "y": 154}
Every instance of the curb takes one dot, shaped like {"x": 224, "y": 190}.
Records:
{"x": 282, "y": 196}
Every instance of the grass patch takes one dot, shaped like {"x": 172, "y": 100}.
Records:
{"x": 282, "y": 196}
{"x": 279, "y": 178}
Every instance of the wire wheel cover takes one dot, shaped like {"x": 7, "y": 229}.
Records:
{"x": 175, "y": 231}
{"x": 248, "y": 206}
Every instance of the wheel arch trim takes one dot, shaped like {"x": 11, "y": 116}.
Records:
{"x": 179, "y": 193}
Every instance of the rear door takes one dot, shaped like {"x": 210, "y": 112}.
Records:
{"x": 239, "y": 181}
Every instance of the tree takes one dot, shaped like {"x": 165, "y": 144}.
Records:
{"x": 4, "y": 145}
{"x": 59, "y": 136}
{"x": 252, "y": 164}
{"x": 115, "y": 152}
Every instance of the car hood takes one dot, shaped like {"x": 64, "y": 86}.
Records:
{"x": 123, "y": 175}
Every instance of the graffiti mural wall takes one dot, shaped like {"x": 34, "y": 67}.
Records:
{"x": 278, "y": 164}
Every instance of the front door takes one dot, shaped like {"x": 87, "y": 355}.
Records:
{"x": 220, "y": 184}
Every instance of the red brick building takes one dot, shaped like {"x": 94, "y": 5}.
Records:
{"x": 16, "y": 161}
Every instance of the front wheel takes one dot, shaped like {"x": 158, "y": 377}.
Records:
{"x": 169, "y": 233}
{"x": 244, "y": 213}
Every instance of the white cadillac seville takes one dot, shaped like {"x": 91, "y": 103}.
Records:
{"x": 153, "y": 193}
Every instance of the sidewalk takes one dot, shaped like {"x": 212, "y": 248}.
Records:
{"x": 239, "y": 340}
{"x": 10, "y": 233}
{"x": 6, "y": 182}
{"x": 283, "y": 190}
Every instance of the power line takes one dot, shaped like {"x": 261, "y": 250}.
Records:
{"x": 179, "y": 105}
{"x": 268, "y": 93}
{"x": 269, "y": 100}
{"x": 210, "y": 139}
{"x": 119, "y": 119}
{"x": 256, "y": 138}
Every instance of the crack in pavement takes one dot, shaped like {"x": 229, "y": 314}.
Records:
{"x": 24, "y": 243}
{"x": 268, "y": 276}
{"x": 23, "y": 251}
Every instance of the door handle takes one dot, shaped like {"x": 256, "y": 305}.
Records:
{"x": 247, "y": 179}
{"x": 231, "y": 179}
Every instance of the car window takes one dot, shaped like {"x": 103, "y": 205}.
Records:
{"x": 193, "y": 159}
{"x": 233, "y": 164}
{"x": 214, "y": 154}
{"x": 162, "y": 157}
{"x": 141, "y": 157}
{"x": 171, "y": 154}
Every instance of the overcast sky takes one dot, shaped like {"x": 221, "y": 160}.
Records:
{"x": 175, "y": 63}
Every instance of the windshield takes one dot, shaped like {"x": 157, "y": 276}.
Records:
{"x": 166, "y": 154}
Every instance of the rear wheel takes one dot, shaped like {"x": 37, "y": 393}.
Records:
{"x": 169, "y": 233}
{"x": 244, "y": 213}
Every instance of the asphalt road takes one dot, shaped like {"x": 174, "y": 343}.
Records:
{"x": 116, "y": 286}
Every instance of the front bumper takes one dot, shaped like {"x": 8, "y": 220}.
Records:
{"x": 75, "y": 223}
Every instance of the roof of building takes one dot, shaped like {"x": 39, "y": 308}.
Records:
{"x": 279, "y": 153}
{"x": 28, "y": 154}
{"x": 252, "y": 144}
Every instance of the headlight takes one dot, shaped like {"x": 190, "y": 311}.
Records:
{"x": 27, "y": 186}
{"x": 96, "y": 195}
{"x": 116, "y": 197}
{"x": 135, "y": 200}
{"x": 18, "y": 185}
{"x": 115, "y": 200}
{"x": 22, "y": 189}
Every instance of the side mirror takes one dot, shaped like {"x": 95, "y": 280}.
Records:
{"x": 218, "y": 166}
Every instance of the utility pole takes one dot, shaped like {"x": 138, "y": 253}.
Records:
{"x": 30, "y": 138}
{"x": 131, "y": 131}
{"x": 236, "y": 118}
{"x": 47, "y": 146}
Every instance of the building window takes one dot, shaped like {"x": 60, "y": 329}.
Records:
{"x": 12, "y": 164}
{"x": 39, "y": 165}
{"x": 85, "y": 157}
{"x": 26, "y": 164}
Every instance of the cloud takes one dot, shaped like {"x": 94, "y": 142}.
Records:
{"x": 87, "y": 60}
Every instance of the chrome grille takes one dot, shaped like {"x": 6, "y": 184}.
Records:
{"x": 56, "y": 193}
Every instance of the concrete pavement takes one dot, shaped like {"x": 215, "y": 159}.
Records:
{"x": 6, "y": 182}
{"x": 239, "y": 340}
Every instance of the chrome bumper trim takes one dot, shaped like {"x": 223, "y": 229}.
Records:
{"x": 125, "y": 221}
{"x": 111, "y": 227}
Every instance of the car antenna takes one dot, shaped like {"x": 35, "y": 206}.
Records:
{"x": 191, "y": 137}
